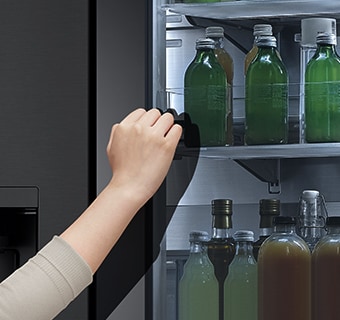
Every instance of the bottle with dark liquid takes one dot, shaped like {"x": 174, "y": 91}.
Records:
{"x": 269, "y": 209}
{"x": 221, "y": 247}
{"x": 284, "y": 274}
{"x": 326, "y": 273}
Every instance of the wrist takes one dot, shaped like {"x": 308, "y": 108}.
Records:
{"x": 128, "y": 192}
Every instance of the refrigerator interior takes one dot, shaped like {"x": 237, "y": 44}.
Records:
{"x": 243, "y": 174}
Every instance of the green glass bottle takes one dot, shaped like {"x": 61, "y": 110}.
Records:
{"x": 205, "y": 98}
{"x": 322, "y": 87}
{"x": 266, "y": 94}
{"x": 241, "y": 283}
{"x": 198, "y": 288}
{"x": 227, "y": 63}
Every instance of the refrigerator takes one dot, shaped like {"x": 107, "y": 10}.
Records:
{"x": 71, "y": 69}
{"x": 244, "y": 174}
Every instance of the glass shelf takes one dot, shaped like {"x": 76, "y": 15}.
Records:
{"x": 244, "y": 9}
{"x": 287, "y": 151}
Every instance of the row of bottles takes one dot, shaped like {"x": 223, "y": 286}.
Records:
{"x": 288, "y": 273}
{"x": 208, "y": 97}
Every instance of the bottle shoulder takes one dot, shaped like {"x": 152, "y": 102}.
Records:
{"x": 328, "y": 243}
{"x": 278, "y": 241}
{"x": 267, "y": 66}
{"x": 318, "y": 68}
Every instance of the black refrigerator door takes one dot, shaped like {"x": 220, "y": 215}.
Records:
{"x": 47, "y": 111}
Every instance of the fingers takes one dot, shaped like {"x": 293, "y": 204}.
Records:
{"x": 134, "y": 116}
{"x": 152, "y": 118}
{"x": 174, "y": 134}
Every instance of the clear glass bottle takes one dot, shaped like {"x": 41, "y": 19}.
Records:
{"x": 269, "y": 209}
{"x": 322, "y": 86}
{"x": 198, "y": 287}
{"x": 221, "y": 246}
{"x": 284, "y": 274}
{"x": 226, "y": 61}
{"x": 312, "y": 217}
{"x": 325, "y": 273}
{"x": 258, "y": 30}
{"x": 241, "y": 283}
{"x": 266, "y": 96}
{"x": 205, "y": 98}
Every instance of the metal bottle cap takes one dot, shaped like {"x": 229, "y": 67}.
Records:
{"x": 205, "y": 43}
{"x": 266, "y": 41}
{"x": 262, "y": 30}
{"x": 284, "y": 220}
{"x": 269, "y": 208}
{"x": 244, "y": 235}
{"x": 198, "y": 236}
{"x": 214, "y": 32}
{"x": 309, "y": 194}
{"x": 326, "y": 38}
{"x": 222, "y": 207}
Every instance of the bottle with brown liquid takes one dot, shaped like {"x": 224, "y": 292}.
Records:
{"x": 221, "y": 246}
{"x": 269, "y": 209}
{"x": 284, "y": 274}
{"x": 326, "y": 273}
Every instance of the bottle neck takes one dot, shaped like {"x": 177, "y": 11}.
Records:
{"x": 324, "y": 47}
{"x": 285, "y": 228}
{"x": 221, "y": 225}
{"x": 244, "y": 248}
{"x": 196, "y": 247}
{"x": 333, "y": 230}
{"x": 218, "y": 42}
{"x": 218, "y": 233}
{"x": 203, "y": 54}
{"x": 265, "y": 232}
{"x": 266, "y": 50}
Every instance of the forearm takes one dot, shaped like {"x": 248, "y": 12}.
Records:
{"x": 97, "y": 230}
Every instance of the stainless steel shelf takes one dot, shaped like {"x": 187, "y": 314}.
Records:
{"x": 244, "y": 9}
{"x": 287, "y": 151}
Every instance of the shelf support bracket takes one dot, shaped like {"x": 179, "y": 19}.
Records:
{"x": 266, "y": 170}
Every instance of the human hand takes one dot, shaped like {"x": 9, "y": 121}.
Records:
{"x": 141, "y": 149}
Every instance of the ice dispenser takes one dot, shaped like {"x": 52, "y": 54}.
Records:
{"x": 18, "y": 227}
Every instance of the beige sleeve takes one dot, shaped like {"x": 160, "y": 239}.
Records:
{"x": 45, "y": 285}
